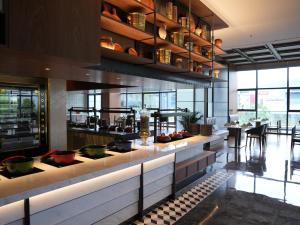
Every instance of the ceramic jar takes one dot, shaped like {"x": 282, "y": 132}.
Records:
{"x": 177, "y": 38}
{"x": 218, "y": 43}
{"x": 163, "y": 55}
{"x": 137, "y": 20}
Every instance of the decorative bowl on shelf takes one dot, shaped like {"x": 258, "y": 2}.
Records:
{"x": 218, "y": 42}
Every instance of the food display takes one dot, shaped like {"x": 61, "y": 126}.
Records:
{"x": 163, "y": 138}
{"x": 185, "y": 134}
{"x": 60, "y": 157}
{"x": 94, "y": 150}
{"x": 176, "y": 136}
{"x": 18, "y": 164}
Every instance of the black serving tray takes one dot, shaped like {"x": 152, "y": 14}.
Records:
{"x": 51, "y": 162}
{"x": 8, "y": 175}
{"x": 114, "y": 149}
{"x": 95, "y": 157}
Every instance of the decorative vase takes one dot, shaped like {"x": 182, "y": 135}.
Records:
{"x": 162, "y": 31}
{"x": 194, "y": 128}
{"x": 198, "y": 31}
{"x": 144, "y": 127}
{"x": 206, "y": 129}
{"x": 114, "y": 15}
{"x": 169, "y": 10}
{"x": 177, "y": 38}
{"x": 218, "y": 42}
{"x": 137, "y": 20}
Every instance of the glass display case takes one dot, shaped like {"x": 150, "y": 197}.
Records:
{"x": 21, "y": 111}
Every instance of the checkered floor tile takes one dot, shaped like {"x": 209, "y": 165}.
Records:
{"x": 173, "y": 210}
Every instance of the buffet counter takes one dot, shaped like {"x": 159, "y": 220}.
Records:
{"x": 78, "y": 137}
{"x": 103, "y": 191}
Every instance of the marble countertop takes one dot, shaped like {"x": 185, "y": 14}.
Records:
{"x": 52, "y": 178}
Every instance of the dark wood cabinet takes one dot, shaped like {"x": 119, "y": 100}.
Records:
{"x": 3, "y": 22}
{"x": 63, "y": 28}
{"x": 193, "y": 166}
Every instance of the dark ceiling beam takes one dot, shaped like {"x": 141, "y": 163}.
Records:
{"x": 273, "y": 51}
{"x": 244, "y": 55}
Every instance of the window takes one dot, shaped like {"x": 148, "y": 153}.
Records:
{"x": 185, "y": 99}
{"x": 168, "y": 100}
{"x": 272, "y": 78}
{"x": 246, "y": 100}
{"x": 134, "y": 101}
{"x": 246, "y": 79}
{"x": 294, "y": 99}
{"x": 151, "y": 100}
{"x": 271, "y": 104}
{"x": 123, "y": 100}
{"x": 294, "y": 77}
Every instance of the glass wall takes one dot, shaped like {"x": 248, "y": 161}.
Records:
{"x": 270, "y": 93}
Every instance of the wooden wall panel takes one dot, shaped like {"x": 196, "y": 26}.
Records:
{"x": 68, "y": 28}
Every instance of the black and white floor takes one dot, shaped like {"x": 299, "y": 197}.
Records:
{"x": 172, "y": 210}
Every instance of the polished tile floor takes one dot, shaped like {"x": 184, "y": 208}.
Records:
{"x": 259, "y": 173}
{"x": 266, "y": 172}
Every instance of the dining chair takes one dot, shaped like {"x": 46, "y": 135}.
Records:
{"x": 276, "y": 128}
{"x": 294, "y": 138}
{"x": 255, "y": 133}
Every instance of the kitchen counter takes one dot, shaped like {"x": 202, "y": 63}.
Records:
{"x": 108, "y": 190}
{"x": 52, "y": 178}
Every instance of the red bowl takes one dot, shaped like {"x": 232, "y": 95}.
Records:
{"x": 63, "y": 157}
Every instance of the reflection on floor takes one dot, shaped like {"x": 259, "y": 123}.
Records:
{"x": 266, "y": 173}
{"x": 273, "y": 172}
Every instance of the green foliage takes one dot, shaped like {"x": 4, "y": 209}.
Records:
{"x": 190, "y": 118}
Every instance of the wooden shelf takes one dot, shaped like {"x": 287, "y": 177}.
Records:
{"x": 128, "y": 5}
{"x": 216, "y": 65}
{"x": 124, "y": 57}
{"x": 219, "y": 51}
{"x": 161, "y": 19}
{"x": 199, "y": 40}
{"x": 124, "y": 29}
{"x": 167, "y": 68}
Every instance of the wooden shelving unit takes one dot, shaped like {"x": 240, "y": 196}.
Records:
{"x": 124, "y": 57}
{"x": 157, "y": 20}
{"x": 125, "y": 30}
{"x": 128, "y": 5}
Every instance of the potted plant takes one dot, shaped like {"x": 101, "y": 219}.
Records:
{"x": 189, "y": 122}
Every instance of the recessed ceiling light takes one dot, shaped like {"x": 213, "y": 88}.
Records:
{"x": 47, "y": 69}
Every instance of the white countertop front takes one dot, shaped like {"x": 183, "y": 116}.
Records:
{"x": 52, "y": 178}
